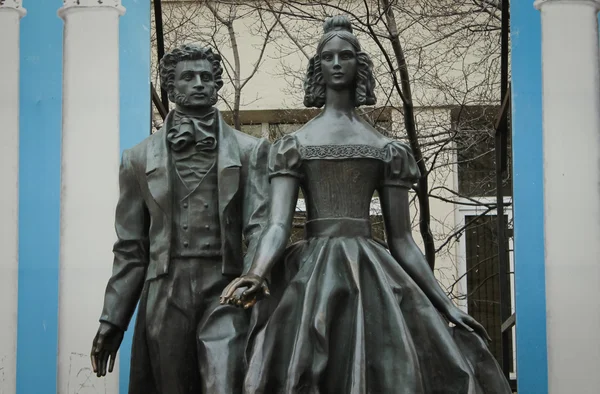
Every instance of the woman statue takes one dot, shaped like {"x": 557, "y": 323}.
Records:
{"x": 351, "y": 317}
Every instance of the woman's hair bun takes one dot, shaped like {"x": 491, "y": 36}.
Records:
{"x": 338, "y": 22}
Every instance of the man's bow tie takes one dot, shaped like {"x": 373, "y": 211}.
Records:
{"x": 192, "y": 131}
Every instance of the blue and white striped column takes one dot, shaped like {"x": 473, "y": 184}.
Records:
{"x": 39, "y": 197}
{"x": 571, "y": 118}
{"x": 11, "y": 12}
{"x": 89, "y": 182}
{"x": 65, "y": 218}
{"x": 528, "y": 194}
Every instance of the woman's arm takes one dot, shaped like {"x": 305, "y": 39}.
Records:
{"x": 396, "y": 214}
{"x": 272, "y": 243}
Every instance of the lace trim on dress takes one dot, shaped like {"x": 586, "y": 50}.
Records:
{"x": 342, "y": 152}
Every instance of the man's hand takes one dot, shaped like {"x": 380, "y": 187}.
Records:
{"x": 105, "y": 347}
{"x": 245, "y": 291}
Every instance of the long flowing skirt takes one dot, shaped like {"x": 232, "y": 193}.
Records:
{"x": 345, "y": 318}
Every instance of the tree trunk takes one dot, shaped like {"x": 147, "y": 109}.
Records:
{"x": 422, "y": 188}
{"x": 236, "y": 76}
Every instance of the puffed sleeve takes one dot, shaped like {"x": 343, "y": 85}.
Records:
{"x": 284, "y": 158}
{"x": 400, "y": 166}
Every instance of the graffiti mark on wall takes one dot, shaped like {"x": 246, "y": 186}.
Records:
{"x": 2, "y": 375}
{"x": 81, "y": 377}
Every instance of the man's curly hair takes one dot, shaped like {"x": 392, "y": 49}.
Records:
{"x": 187, "y": 52}
{"x": 314, "y": 85}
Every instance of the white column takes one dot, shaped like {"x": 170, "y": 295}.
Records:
{"x": 90, "y": 166}
{"x": 11, "y": 11}
{"x": 571, "y": 116}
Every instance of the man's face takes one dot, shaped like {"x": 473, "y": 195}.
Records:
{"x": 195, "y": 84}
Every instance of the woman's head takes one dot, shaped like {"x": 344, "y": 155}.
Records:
{"x": 339, "y": 64}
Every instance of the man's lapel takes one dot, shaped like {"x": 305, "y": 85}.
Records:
{"x": 228, "y": 165}
{"x": 158, "y": 168}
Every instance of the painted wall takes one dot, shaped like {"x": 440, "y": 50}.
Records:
{"x": 571, "y": 144}
{"x": 278, "y": 81}
{"x": 10, "y": 14}
{"x": 70, "y": 151}
{"x": 528, "y": 196}
{"x": 89, "y": 187}
{"x": 39, "y": 197}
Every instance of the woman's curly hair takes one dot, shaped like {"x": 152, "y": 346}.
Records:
{"x": 314, "y": 85}
{"x": 169, "y": 62}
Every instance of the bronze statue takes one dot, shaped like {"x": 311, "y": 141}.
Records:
{"x": 346, "y": 315}
{"x": 189, "y": 194}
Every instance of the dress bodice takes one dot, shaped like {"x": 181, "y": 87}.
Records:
{"x": 339, "y": 180}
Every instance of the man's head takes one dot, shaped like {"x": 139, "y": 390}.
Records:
{"x": 192, "y": 76}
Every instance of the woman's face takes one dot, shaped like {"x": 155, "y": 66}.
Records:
{"x": 338, "y": 64}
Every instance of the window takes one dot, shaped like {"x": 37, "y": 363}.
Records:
{"x": 475, "y": 151}
{"x": 483, "y": 287}
{"x": 478, "y": 285}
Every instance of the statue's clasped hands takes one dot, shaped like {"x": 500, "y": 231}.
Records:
{"x": 245, "y": 291}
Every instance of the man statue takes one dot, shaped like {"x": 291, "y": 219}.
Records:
{"x": 189, "y": 195}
